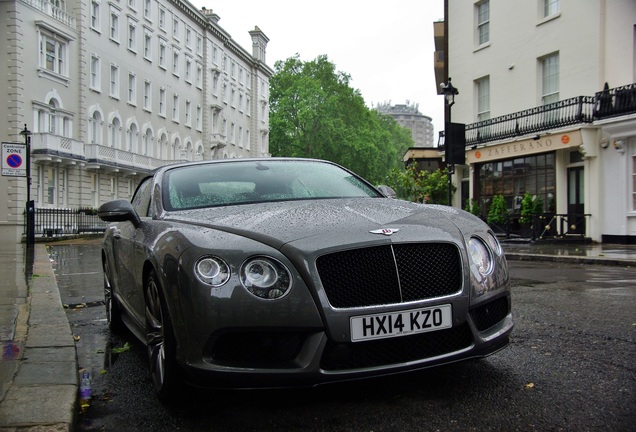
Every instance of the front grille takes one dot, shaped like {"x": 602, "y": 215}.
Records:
{"x": 391, "y": 351}
{"x": 390, "y": 274}
{"x": 266, "y": 349}
{"x": 489, "y": 314}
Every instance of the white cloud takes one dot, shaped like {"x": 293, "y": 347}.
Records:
{"x": 386, "y": 47}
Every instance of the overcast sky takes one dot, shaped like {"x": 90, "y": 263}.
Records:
{"x": 386, "y": 47}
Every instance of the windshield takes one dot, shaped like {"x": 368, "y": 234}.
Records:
{"x": 222, "y": 184}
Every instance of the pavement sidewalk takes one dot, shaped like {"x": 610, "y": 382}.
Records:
{"x": 39, "y": 369}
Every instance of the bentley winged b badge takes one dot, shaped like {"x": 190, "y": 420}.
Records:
{"x": 385, "y": 231}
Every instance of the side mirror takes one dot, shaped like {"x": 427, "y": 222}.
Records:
{"x": 387, "y": 191}
{"x": 118, "y": 211}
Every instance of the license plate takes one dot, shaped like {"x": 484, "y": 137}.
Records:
{"x": 402, "y": 323}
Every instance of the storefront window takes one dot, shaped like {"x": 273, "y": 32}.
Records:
{"x": 513, "y": 178}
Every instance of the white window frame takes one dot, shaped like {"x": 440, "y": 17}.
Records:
{"x": 147, "y": 96}
{"x": 162, "y": 18}
{"x": 176, "y": 54}
{"x": 199, "y": 77}
{"x": 113, "y": 31}
{"x": 95, "y": 20}
{"x": 483, "y": 98}
{"x": 162, "y": 102}
{"x": 199, "y": 118}
{"x": 163, "y": 52}
{"x": 199, "y": 47}
{"x": 551, "y": 8}
{"x": 132, "y": 88}
{"x": 148, "y": 10}
{"x": 132, "y": 35}
{"x": 188, "y": 37}
{"x": 550, "y": 80}
{"x": 113, "y": 90}
{"x": 55, "y": 61}
{"x": 188, "y": 113}
{"x": 176, "y": 28}
{"x": 188, "y": 69}
{"x": 482, "y": 11}
{"x": 175, "y": 108}
{"x": 95, "y": 73}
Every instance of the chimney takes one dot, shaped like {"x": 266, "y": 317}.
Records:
{"x": 259, "y": 44}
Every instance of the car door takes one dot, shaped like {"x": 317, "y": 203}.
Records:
{"x": 129, "y": 253}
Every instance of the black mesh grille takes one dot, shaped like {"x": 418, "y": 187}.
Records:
{"x": 257, "y": 349}
{"x": 489, "y": 314}
{"x": 345, "y": 356}
{"x": 365, "y": 277}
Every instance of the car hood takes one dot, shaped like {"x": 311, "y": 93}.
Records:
{"x": 319, "y": 224}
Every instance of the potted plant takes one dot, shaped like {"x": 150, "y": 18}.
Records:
{"x": 472, "y": 206}
{"x": 498, "y": 212}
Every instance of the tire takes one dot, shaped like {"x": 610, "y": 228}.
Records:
{"x": 161, "y": 343}
{"x": 113, "y": 311}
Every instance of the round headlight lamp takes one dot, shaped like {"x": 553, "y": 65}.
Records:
{"x": 212, "y": 271}
{"x": 480, "y": 255}
{"x": 266, "y": 278}
{"x": 494, "y": 244}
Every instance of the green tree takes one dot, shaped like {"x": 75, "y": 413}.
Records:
{"x": 420, "y": 186}
{"x": 315, "y": 113}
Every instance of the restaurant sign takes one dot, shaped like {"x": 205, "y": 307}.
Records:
{"x": 525, "y": 147}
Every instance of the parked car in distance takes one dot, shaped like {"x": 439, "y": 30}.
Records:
{"x": 279, "y": 272}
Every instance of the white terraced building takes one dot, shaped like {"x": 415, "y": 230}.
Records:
{"x": 111, "y": 90}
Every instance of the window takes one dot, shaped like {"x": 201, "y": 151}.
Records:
{"x": 199, "y": 75}
{"x": 132, "y": 4}
{"x": 95, "y": 18}
{"x": 175, "y": 62}
{"x": 483, "y": 22}
{"x": 115, "y": 130}
{"x": 199, "y": 44}
{"x": 147, "y": 46}
{"x": 550, "y": 79}
{"x": 162, "y": 18}
{"x": 147, "y": 96}
{"x": 188, "y": 37}
{"x": 175, "y": 28}
{"x": 132, "y": 35}
{"x": 550, "y": 7}
{"x": 162, "y": 53}
{"x": 53, "y": 53}
{"x": 162, "y": 102}
{"x": 175, "y": 108}
{"x": 132, "y": 89}
{"x": 95, "y": 124}
{"x": 114, "y": 81}
{"x": 148, "y": 9}
{"x": 188, "y": 71}
{"x": 199, "y": 125}
{"x": 114, "y": 25}
{"x": 132, "y": 138}
{"x": 483, "y": 99}
{"x": 188, "y": 113}
{"x": 95, "y": 73}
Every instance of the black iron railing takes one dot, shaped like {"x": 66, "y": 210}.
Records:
{"x": 56, "y": 222}
{"x": 578, "y": 110}
{"x": 543, "y": 226}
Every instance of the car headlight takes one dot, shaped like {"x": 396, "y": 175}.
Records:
{"x": 266, "y": 278}
{"x": 212, "y": 271}
{"x": 494, "y": 244}
{"x": 480, "y": 255}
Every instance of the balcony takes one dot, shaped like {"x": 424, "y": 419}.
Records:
{"x": 53, "y": 11}
{"x": 49, "y": 145}
{"x": 574, "y": 111}
{"x": 98, "y": 155}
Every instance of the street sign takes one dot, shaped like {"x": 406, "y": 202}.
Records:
{"x": 13, "y": 159}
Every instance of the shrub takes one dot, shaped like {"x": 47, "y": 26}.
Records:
{"x": 498, "y": 210}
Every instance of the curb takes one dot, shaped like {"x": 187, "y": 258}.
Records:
{"x": 570, "y": 259}
{"x": 43, "y": 394}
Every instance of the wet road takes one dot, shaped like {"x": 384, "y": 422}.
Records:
{"x": 570, "y": 367}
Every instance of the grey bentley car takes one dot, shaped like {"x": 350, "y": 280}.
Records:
{"x": 279, "y": 272}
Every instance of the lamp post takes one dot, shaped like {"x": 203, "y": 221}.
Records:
{"x": 30, "y": 210}
{"x": 449, "y": 98}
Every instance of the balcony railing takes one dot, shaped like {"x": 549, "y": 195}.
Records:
{"x": 52, "y": 10}
{"x": 578, "y": 110}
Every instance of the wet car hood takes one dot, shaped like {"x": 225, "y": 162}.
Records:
{"x": 317, "y": 224}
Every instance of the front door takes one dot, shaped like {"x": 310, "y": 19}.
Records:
{"x": 576, "y": 202}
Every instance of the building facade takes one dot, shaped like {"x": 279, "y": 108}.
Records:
{"x": 409, "y": 116}
{"x": 550, "y": 110}
{"x": 111, "y": 90}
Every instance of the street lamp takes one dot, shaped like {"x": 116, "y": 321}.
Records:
{"x": 449, "y": 97}
{"x": 30, "y": 210}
